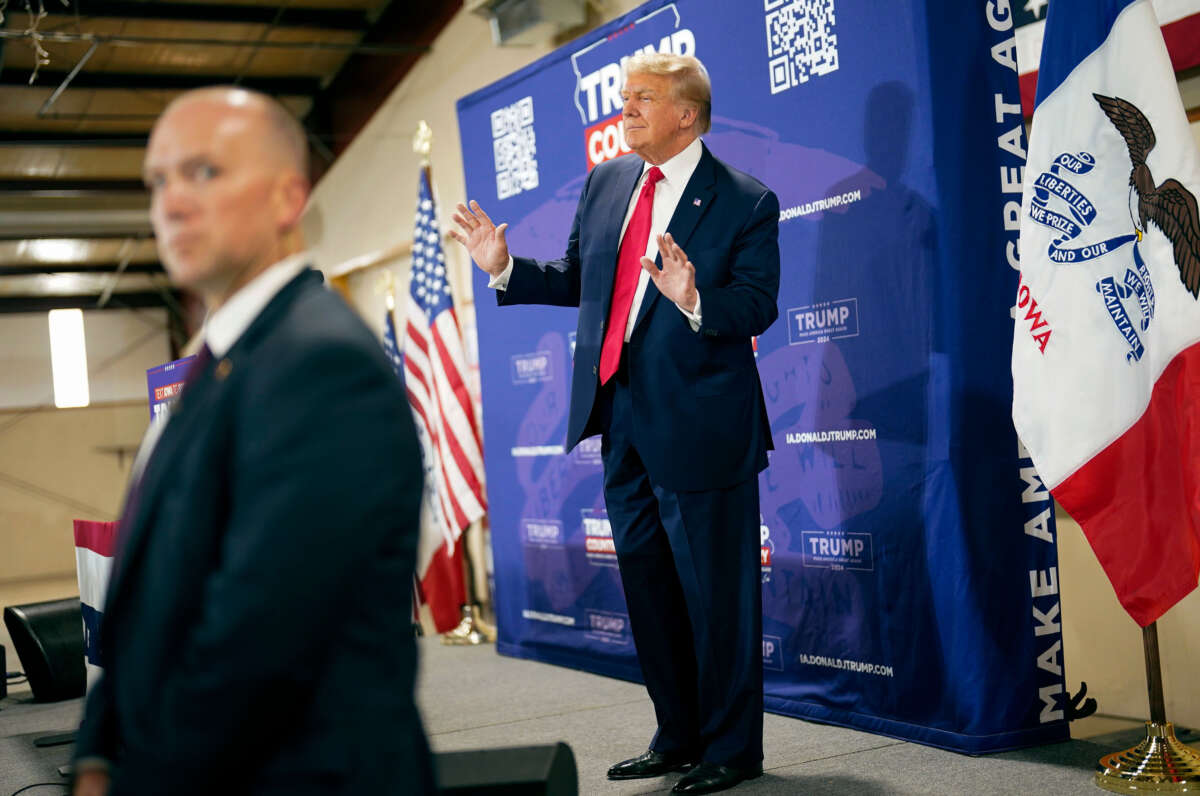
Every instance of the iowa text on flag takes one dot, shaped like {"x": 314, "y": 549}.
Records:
{"x": 435, "y": 367}
{"x": 1106, "y": 349}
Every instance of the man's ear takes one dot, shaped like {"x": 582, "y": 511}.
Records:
{"x": 291, "y": 196}
{"x": 687, "y": 119}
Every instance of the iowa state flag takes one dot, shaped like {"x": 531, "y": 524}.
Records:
{"x": 1106, "y": 361}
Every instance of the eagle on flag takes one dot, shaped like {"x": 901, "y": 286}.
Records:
{"x": 1170, "y": 206}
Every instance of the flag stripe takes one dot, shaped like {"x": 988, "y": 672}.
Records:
{"x": 94, "y": 570}
{"x": 1183, "y": 41}
{"x": 449, "y": 429}
{"x": 446, "y": 495}
{"x": 1138, "y": 500}
{"x": 98, "y": 536}
{"x": 456, "y": 471}
{"x": 458, "y": 408}
{"x": 429, "y": 416}
{"x": 460, "y": 443}
{"x": 444, "y": 577}
{"x": 446, "y": 471}
{"x": 454, "y": 361}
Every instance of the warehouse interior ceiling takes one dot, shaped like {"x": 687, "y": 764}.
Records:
{"x": 82, "y": 81}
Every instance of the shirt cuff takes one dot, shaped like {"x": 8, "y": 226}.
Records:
{"x": 500, "y": 280}
{"x": 693, "y": 316}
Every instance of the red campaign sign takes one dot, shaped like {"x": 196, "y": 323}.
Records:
{"x": 605, "y": 140}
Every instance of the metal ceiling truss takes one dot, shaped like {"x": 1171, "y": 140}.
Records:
{"x": 62, "y": 179}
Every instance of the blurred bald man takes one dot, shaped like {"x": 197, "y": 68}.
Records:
{"x": 256, "y": 635}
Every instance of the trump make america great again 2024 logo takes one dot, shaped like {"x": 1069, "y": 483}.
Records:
{"x": 1060, "y": 205}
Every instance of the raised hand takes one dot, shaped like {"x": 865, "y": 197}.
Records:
{"x": 484, "y": 240}
{"x": 677, "y": 278}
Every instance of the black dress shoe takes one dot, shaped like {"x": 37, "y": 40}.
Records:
{"x": 710, "y": 778}
{"x": 650, "y": 764}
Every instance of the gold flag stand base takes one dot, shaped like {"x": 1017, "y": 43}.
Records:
{"x": 1160, "y": 763}
{"x": 471, "y": 631}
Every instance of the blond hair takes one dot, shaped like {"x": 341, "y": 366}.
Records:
{"x": 688, "y": 77}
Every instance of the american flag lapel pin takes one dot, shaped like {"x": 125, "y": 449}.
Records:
{"x": 696, "y": 201}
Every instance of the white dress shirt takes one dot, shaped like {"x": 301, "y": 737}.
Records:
{"x": 224, "y": 326}
{"x": 667, "y": 192}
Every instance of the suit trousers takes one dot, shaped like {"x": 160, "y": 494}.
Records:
{"x": 690, "y": 566}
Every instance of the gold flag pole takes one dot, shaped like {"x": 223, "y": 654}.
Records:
{"x": 388, "y": 286}
{"x": 472, "y": 629}
{"x": 1160, "y": 763}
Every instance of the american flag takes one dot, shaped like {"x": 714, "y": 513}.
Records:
{"x": 389, "y": 344}
{"x": 397, "y": 359}
{"x": 434, "y": 370}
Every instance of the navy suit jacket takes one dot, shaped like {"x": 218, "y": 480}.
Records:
{"x": 257, "y": 629}
{"x": 699, "y": 417}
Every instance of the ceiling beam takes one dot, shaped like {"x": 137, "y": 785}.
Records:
{"x": 275, "y": 14}
{"x": 72, "y": 268}
{"x": 365, "y": 81}
{"x": 274, "y": 86}
{"x": 118, "y": 301}
{"x": 78, "y": 230}
{"x": 71, "y": 188}
{"x": 24, "y": 138}
{"x": 44, "y": 36}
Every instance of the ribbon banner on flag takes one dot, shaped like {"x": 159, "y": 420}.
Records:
{"x": 434, "y": 376}
{"x": 1106, "y": 361}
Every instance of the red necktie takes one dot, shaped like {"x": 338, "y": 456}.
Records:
{"x": 629, "y": 268}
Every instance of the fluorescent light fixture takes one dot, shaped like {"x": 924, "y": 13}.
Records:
{"x": 55, "y": 250}
{"x": 68, "y": 358}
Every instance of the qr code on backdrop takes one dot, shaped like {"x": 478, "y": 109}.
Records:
{"x": 515, "y": 148}
{"x": 800, "y": 41}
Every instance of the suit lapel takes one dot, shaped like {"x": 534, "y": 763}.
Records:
{"x": 146, "y": 492}
{"x": 186, "y": 422}
{"x": 615, "y": 199}
{"x": 693, "y": 203}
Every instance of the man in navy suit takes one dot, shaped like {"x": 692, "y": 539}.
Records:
{"x": 664, "y": 370}
{"x": 256, "y": 635}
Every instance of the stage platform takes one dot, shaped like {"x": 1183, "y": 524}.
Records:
{"x": 472, "y": 698}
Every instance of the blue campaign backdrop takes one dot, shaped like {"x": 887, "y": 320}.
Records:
{"x": 908, "y": 548}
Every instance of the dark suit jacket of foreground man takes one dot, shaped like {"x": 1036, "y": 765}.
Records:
{"x": 256, "y": 636}
{"x": 690, "y": 406}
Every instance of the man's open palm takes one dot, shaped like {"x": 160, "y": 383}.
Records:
{"x": 484, "y": 240}
{"x": 677, "y": 278}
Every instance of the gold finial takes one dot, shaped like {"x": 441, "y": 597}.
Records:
{"x": 423, "y": 142}
{"x": 387, "y": 286}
